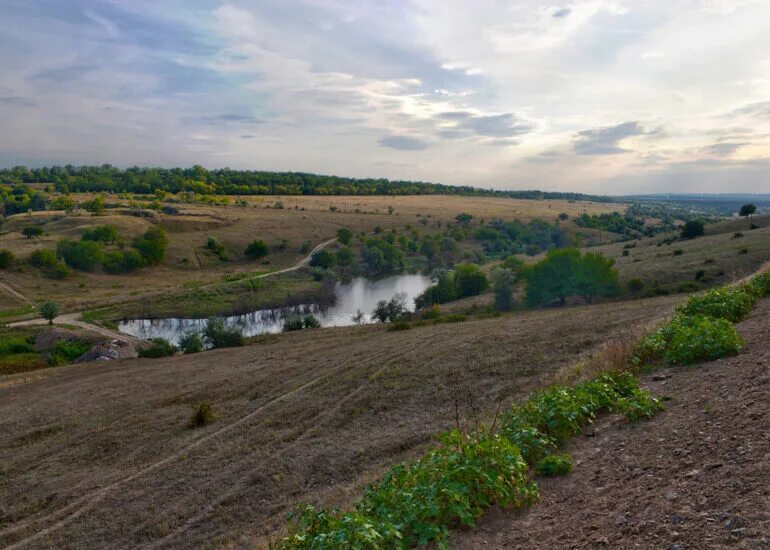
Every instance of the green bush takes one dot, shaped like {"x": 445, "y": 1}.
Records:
{"x": 122, "y": 261}
{"x": 256, "y": 250}
{"x": 635, "y": 285}
{"x": 6, "y": 259}
{"x": 219, "y": 335}
{"x": 11, "y": 345}
{"x": 300, "y": 322}
{"x": 417, "y": 502}
{"x": 82, "y": 255}
{"x": 33, "y": 231}
{"x": 555, "y": 465}
{"x": 159, "y": 348}
{"x": 728, "y": 302}
{"x": 152, "y": 245}
{"x": 687, "y": 339}
{"x": 106, "y": 234}
{"x": 191, "y": 342}
{"x": 202, "y": 416}
{"x": 400, "y": 325}
{"x": 67, "y": 351}
{"x": 758, "y": 286}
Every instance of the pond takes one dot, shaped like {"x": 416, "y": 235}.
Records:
{"x": 360, "y": 294}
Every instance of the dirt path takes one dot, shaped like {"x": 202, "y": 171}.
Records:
{"x": 74, "y": 319}
{"x": 696, "y": 476}
{"x": 302, "y": 263}
{"x": 15, "y": 293}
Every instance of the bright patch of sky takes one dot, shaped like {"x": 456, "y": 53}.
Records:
{"x": 606, "y": 96}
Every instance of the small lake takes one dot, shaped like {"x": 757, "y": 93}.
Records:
{"x": 360, "y": 294}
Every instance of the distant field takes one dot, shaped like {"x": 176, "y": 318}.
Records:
{"x": 300, "y": 416}
{"x": 188, "y": 265}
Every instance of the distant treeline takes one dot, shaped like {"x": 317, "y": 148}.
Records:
{"x": 717, "y": 204}
{"x": 107, "y": 178}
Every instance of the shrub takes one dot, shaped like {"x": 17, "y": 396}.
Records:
{"x": 202, "y": 416}
{"x": 555, "y": 465}
{"x": 152, "y": 245}
{"x": 700, "y": 274}
{"x": 688, "y": 286}
{"x": 400, "y": 325}
{"x": 217, "y": 248}
{"x": 106, "y": 234}
{"x": 743, "y": 251}
{"x": 635, "y": 285}
{"x": 82, "y": 255}
{"x": 257, "y": 249}
{"x": 219, "y": 335}
{"x": 160, "y": 348}
{"x": 503, "y": 282}
{"x": 33, "y": 231}
{"x": 625, "y": 253}
{"x": 758, "y": 286}
{"x": 322, "y": 259}
{"x": 687, "y": 339}
{"x": 293, "y": 323}
{"x": 692, "y": 229}
{"x": 737, "y": 235}
{"x": 452, "y": 318}
{"x": 678, "y": 252}
{"x": 392, "y": 310}
{"x": 731, "y": 303}
{"x": 345, "y": 235}
{"x": 6, "y": 259}
{"x": 450, "y": 484}
{"x": 67, "y": 351}
{"x": 191, "y": 342}
{"x": 122, "y": 261}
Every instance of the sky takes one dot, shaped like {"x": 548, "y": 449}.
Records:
{"x": 598, "y": 96}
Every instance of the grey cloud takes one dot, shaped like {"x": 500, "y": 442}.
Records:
{"x": 605, "y": 141}
{"x": 545, "y": 157}
{"x": 723, "y": 149}
{"x": 499, "y": 126}
{"x": 403, "y": 143}
{"x": 561, "y": 13}
{"x": 758, "y": 109}
{"x": 504, "y": 142}
{"x": 16, "y": 101}
{"x": 455, "y": 115}
{"x": 452, "y": 134}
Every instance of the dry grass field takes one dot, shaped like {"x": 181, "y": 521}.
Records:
{"x": 188, "y": 265}
{"x": 100, "y": 455}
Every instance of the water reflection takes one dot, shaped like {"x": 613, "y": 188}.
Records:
{"x": 358, "y": 295}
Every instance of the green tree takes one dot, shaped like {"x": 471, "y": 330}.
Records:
{"x": 430, "y": 249}
{"x": 122, "y": 261}
{"x": 49, "y": 311}
{"x": 692, "y": 229}
{"x": 191, "y": 342}
{"x": 596, "y": 277}
{"x": 32, "y": 231}
{"x": 345, "y": 235}
{"x": 6, "y": 259}
{"x": 106, "y": 234}
{"x": 152, "y": 245}
{"x": 553, "y": 277}
{"x": 257, "y": 249}
{"x": 82, "y": 255}
{"x": 391, "y": 310}
{"x": 747, "y": 211}
{"x": 344, "y": 257}
{"x": 503, "y": 282}
{"x": 95, "y": 206}
{"x": 470, "y": 280}
{"x": 322, "y": 259}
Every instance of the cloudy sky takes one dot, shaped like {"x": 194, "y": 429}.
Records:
{"x": 610, "y": 96}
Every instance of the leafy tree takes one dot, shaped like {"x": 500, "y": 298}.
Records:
{"x": 391, "y": 310}
{"x": 563, "y": 216}
{"x": 747, "y": 211}
{"x": 106, "y": 234}
{"x": 445, "y": 290}
{"x": 554, "y": 277}
{"x": 430, "y": 249}
{"x": 257, "y": 249}
{"x": 32, "y": 231}
{"x": 345, "y": 235}
{"x": 49, "y": 311}
{"x": 82, "y": 255}
{"x": 596, "y": 277}
{"x": 122, "y": 261}
{"x": 6, "y": 258}
{"x": 470, "y": 280}
{"x": 344, "y": 257}
{"x": 323, "y": 259}
{"x": 63, "y": 203}
{"x": 95, "y": 206}
{"x": 692, "y": 229}
{"x": 152, "y": 245}
{"x": 503, "y": 281}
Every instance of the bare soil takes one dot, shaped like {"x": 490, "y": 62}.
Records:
{"x": 101, "y": 455}
{"x": 697, "y": 476}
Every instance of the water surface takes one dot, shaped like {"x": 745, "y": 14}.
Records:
{"x": 360, "y": 294}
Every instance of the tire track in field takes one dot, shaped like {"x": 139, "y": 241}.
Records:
{"x": 87, "y": 502}
{"x": 328, "y": 415}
